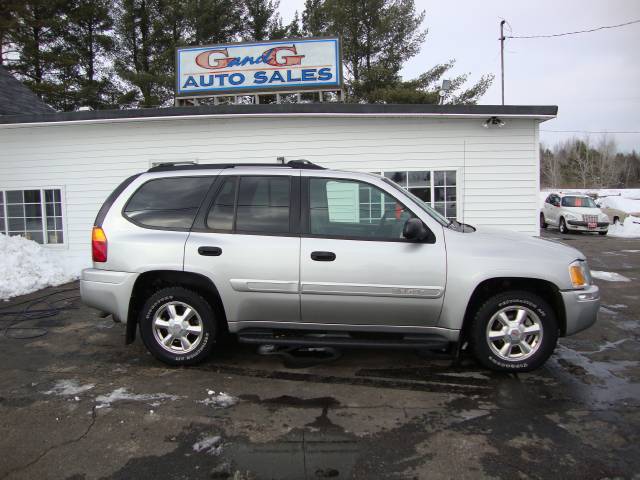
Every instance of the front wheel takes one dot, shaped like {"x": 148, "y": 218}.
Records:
{"x": 603, "y": 233}
{"x": 543, "y": 223}
{"x": 178, "y": 326}
{"x": 563, "y": 226}
{"x": 514, "y": 332}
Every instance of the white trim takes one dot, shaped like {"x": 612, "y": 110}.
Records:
{"x": 273, "y": 115}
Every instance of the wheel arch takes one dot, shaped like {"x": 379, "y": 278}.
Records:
{"x": 154, "y": 280}
{"x": 490, "y": 287}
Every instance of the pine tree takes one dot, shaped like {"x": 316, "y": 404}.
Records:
{"x": 87, "y": 40}
{"x": 215, "y": 21}
{"x": 137, "y": 57}
{"x": 378, "y": 38}
{"x": 34, "y": 32}
{"x": 262, "y": 19}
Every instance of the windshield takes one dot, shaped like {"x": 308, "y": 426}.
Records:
{"x": 584, "y": 202}
{"x": 425, "y": 206}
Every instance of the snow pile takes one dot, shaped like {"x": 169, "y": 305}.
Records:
{"x": 609, "y": 276}
{"x": 219, "y": 400}
{"x": 120, "y": 394}
{"x": 630, "y": 228}
{"x": 27, "y": 267}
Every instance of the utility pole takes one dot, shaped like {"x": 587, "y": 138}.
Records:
{"x": 502, "y": 57}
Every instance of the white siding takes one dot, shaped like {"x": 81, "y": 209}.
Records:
{"x": 497, "y": 168}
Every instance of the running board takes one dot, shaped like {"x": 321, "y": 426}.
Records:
{"x": 339, "y": 339}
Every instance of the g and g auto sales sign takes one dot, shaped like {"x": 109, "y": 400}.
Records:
{"x": 259, "y": 67}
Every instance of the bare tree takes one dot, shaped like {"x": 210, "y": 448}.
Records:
{"x": 606, "y": 167}
{"x": 550, "y": 167}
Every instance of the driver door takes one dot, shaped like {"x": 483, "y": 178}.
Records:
{"x": 355, "y": 266}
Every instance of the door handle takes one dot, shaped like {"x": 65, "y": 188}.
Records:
{"x": 210, "y": 251}
{"x": 323, "y": 256}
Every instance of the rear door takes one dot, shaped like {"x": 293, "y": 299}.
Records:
{"x": 246, "y": 240}
{"x": 355, "y": 266}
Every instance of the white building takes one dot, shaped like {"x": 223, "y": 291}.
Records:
{"x": 56, "y": 169}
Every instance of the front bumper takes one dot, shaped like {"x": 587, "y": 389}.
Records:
{"x": 581, "y": 308}
{"x": 583, "y": 226}
{"x": 108, "y": 291}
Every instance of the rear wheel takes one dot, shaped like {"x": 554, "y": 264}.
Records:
{"x": 543, "y": 223}
{"x": 178, "y": 326}
{"x": 514, "y": 332}
{"x": 562, "y": 226}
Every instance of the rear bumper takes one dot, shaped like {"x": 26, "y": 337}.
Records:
{"x": 581, "y": 308}
{"x": 108, "y": 291}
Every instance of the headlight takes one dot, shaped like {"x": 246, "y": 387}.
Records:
{"x": 579, "y": 273}
{"x": 604, "y": 217}
{"x": 572, "y": 216}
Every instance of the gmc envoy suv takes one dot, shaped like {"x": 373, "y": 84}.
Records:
{"x": 299, "y": 255}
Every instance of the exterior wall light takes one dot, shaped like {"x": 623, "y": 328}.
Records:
{"x": 493, "y": 122}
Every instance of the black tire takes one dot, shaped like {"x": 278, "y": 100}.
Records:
{"x": 209, "y": 329}
{"x": 603, "y": 233}
{"x": 547, "y": 323}
{"x": 562, "y": 226}
{"x": 543, "y": 223}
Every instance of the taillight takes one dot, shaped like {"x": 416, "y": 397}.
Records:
{"x": 98, "y": 245}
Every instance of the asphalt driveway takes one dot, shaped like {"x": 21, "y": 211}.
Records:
{"x": 75, "y": 402}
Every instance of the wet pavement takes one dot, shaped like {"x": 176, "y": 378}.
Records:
{"x": 76, "y": 403}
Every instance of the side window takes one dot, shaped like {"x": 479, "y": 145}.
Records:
{"x": 263, "y": 205}
{"x": 347, "y": 208}
{"x": 168, "y": 202}
{"x": 548, "y": 200}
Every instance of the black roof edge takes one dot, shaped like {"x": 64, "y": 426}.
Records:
{"x": 170, "y": 167}
{"x": 327, "y": 108}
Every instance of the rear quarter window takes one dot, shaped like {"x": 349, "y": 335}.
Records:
{"x": 167, "y": 202}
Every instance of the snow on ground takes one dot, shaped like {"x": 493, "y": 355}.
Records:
{"x": 629, "y": 229}
{"x": 219, "y": 400}
{"x": 26, "y": 267}
{"x": 68, "y": 387}
{"x": 609, "y": 276}
{"x": 119, "y": 394}
{"x": 211, "y": 445}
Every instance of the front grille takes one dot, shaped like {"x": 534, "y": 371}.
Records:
{"x": 590, "y": 218}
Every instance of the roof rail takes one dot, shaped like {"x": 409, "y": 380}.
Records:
{"x": 173, "y": 166}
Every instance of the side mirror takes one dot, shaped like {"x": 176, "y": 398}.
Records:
{"x": 416, "y": 231}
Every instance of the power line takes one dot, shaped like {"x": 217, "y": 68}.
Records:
{"x": 595, "y": 29}
{"x": 592, "y": 131}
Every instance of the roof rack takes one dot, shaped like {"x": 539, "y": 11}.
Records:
{"x": 173, "y": 166}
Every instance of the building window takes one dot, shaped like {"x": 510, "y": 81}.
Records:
{"x": 437, "y": 188}
{"x": 34, "y": 214}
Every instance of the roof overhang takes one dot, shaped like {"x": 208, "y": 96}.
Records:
{"x": 537, "y": 112}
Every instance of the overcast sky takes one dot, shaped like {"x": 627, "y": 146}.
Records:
{"x": 594, "y": 78}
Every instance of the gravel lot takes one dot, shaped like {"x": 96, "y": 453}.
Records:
{"x": 77, "y": 403}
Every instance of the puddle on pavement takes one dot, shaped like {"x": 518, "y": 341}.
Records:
{"x": 598, "y": 383}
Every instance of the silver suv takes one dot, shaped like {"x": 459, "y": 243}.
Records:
{"x": 300, "y": 255}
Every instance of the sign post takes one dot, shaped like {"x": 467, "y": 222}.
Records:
{"x": 258, "y": 68}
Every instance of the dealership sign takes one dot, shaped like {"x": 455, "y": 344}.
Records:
{"x": 259, "y": 67}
